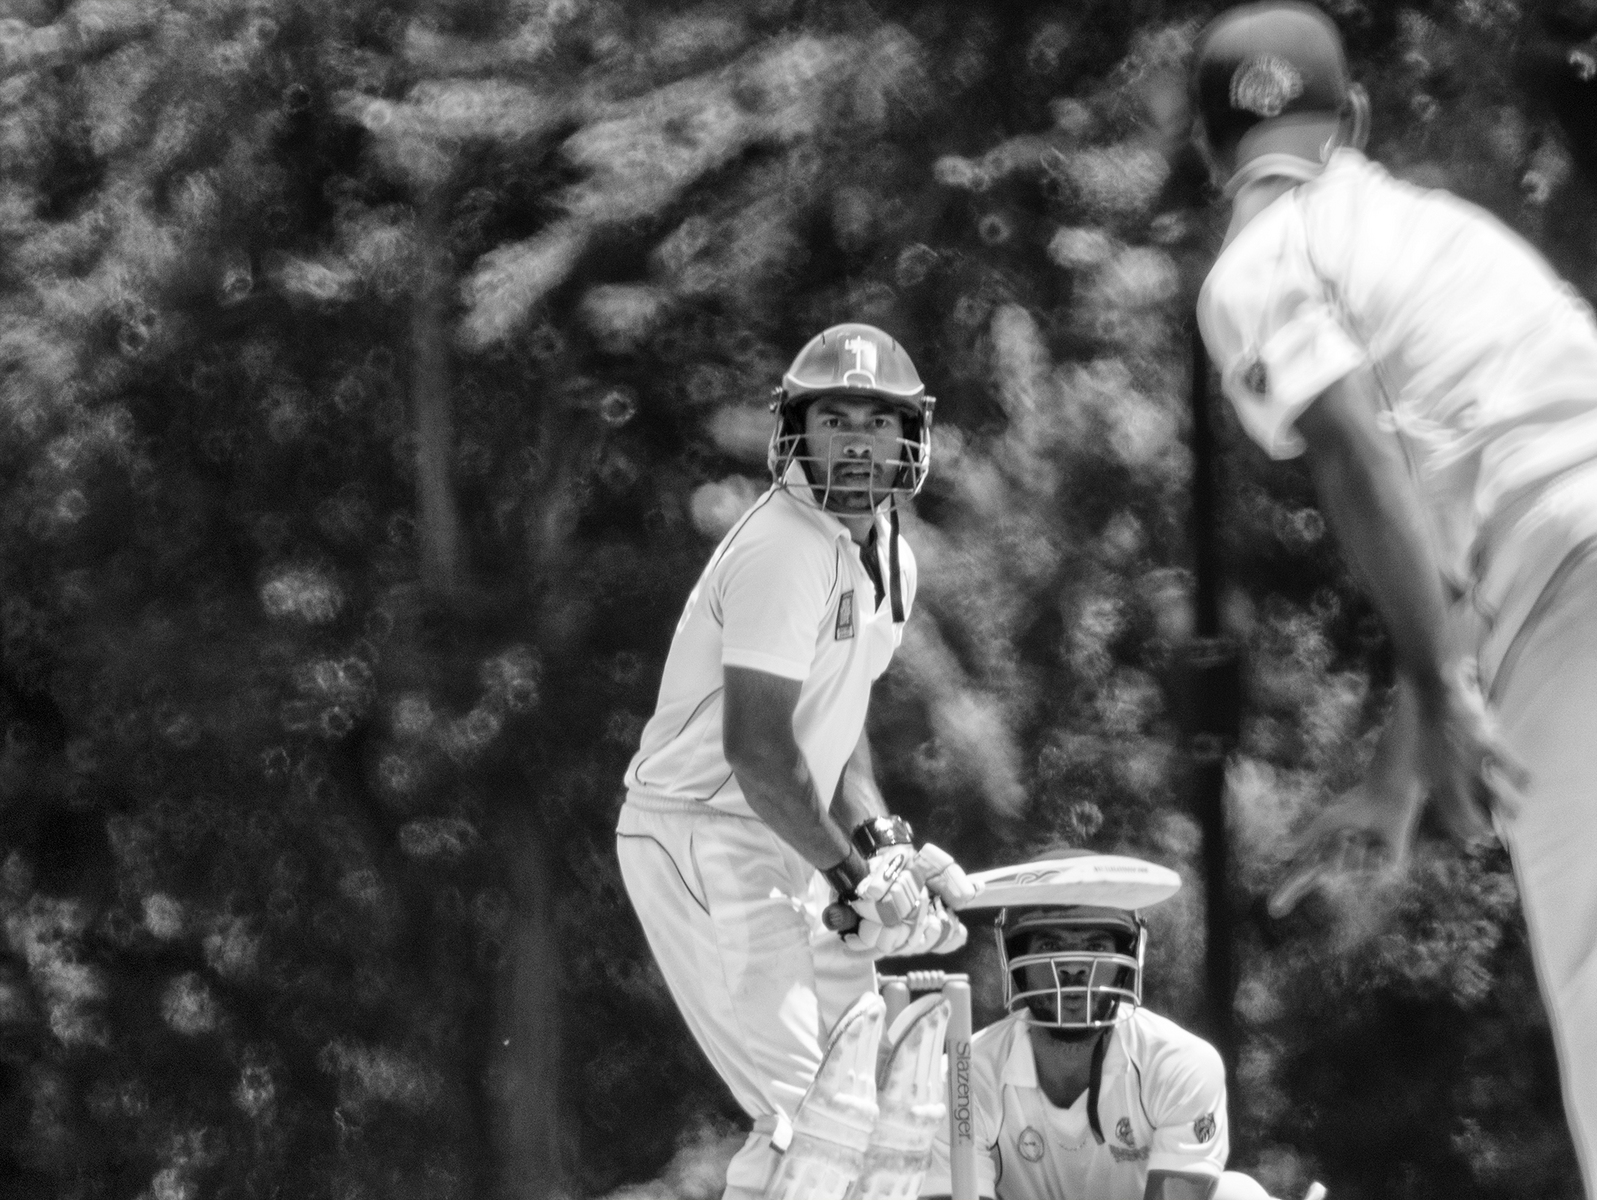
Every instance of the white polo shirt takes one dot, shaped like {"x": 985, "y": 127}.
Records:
{"x": 1161, "y": 1105}
{"x": 785, "y": 592}
{"x": 1486, "y": 360}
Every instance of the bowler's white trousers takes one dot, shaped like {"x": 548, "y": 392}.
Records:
{"x": 1539, "y": 667}
{"x": 733, "y": 916}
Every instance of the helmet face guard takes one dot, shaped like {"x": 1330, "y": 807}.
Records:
{"x": 859, "y": 362}
{"x": 789, "y": 445}
{"x": 1080, "y": 989}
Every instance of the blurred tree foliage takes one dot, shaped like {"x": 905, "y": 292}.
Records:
{"x": 374, "y": 380}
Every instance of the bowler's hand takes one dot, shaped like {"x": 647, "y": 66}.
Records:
{"x": 1466, "y": 766}
{"x": 1362, "y": 831}
{"x": 1447, "y": 751}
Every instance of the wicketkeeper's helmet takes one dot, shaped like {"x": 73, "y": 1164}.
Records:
{"x": 1083, "y": 989}
{"x": 852, "y": 360}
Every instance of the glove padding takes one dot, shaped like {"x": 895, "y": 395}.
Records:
{"x": 937, "y": 871}
{"x": 891, "y": 893}
{"x": 935, "y": 930}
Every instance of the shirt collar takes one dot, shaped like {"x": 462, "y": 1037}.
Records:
{"x": 1020, "y": 1068}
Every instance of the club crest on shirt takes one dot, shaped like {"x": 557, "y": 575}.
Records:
{"x": 1123, "y": 1131}
{"x": 845, "y": 618}
{"x": 1029, "y": 1143}
{"x": 1203, "y": 1127}
{"x": 1265, "y": 84}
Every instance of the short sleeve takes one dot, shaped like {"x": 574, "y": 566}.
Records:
{"x": 770, "y": 596}
{"x": 987, "y": 1099}
{"x": 1187, "y": 1099}
{"x": 1273, "y": 329}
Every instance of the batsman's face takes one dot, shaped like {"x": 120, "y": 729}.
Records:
{"x": 1040, "y": 976}
{"x": 854, "y": 442}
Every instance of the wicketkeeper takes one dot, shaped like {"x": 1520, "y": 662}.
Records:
{"x": 1081, "y": 1091}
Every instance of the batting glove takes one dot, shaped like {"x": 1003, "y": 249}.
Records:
{"x": 945, "y": 878}
{"x": 890, "y": 893}
{"x": 871, "y": 939}
{"x": 936, "y": 931}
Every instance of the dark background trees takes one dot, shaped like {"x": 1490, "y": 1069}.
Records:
{"x": 374, "y": 381}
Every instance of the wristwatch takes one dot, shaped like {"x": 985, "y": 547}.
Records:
{"x": 878, "y": 833}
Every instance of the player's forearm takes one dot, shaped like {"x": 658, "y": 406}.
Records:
{"x": 1393, "y": 766}
{"x": 777, "y": 785}
{"x": 1372, "y": 507}
{"x": 757, "y": 737}
{"x": 858, "y": 799}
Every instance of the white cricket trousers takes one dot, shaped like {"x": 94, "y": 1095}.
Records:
{"x": 1540, "y": 671}
{"x": 733, "y": 916}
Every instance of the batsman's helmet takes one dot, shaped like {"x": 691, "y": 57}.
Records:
{"x": 1272, "y": 78}
{"x": 1082, "y": 989}
{"x": 852, "y": 360}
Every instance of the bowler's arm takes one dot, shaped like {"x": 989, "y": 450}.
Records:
{"x": 757, "y": 736}
{"x": 1371, "y": 504}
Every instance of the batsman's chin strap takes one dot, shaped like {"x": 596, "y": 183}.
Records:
{"x": 895, "y": 586}
{"x": 868, "y": 552}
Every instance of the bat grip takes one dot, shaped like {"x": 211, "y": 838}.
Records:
{"x": 840, "y": 918}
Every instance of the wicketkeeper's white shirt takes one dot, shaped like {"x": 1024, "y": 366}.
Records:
{"x": 1161, "y": 1106}
{"x": 786, "y": 592}
{"x": 1487, "y": 361}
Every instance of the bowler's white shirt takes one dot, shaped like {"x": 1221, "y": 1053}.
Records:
{"x": 787, "y": 593}
{"x": 1161, "y": 1105}
{"x": 1486, "y": 360}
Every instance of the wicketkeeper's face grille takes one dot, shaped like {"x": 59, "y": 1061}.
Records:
{"x": 1071, "y": 976}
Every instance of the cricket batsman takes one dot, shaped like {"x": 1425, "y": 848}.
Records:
{"x": 752, "y": 806}
{"x": 1441, "y": 383}
{"x": 1080, "y": 1091}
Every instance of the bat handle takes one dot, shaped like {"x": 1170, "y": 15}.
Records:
{"x": 840, "y": 918}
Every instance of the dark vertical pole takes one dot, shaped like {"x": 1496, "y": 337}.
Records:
{"x": 439, "y": 527}
{"x": 1212, "y": 704}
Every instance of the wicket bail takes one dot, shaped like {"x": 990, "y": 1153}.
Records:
{"x": 896, "y": 991}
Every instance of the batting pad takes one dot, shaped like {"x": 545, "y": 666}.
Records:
{"x": 832, "y": 1127}
{"x": 909, "y": 1094}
